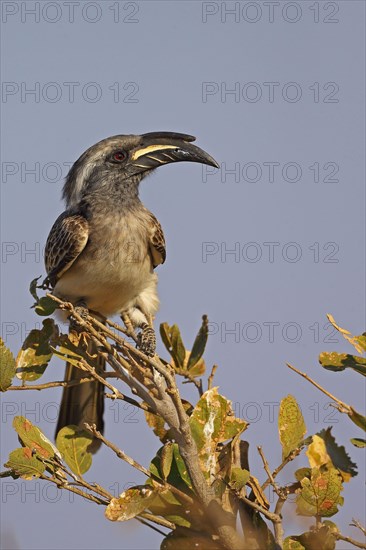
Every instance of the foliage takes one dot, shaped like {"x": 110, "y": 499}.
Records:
{"x": 199, "y": 484}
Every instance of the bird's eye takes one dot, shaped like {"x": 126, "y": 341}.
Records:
{"x": 119, "y": 156}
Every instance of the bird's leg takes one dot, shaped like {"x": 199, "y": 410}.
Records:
{"x": 145, "y": 339}
{"x": 82, "y": 310}
{"x": 129, "y": 326}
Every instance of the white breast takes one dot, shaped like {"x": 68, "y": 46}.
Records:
{"x": 114, "y": 269}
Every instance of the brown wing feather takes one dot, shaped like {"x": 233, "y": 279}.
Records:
{"x": 67, "y": 239}
{"x": 157, "y": 242}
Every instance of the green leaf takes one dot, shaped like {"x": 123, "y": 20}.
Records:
{"x": 213, "y": 422}
{"x": 178, "y": 346}
{"x": 32, "y": 437}
{"x": 199, "y": 344}
{"x": 173, "y": 343}
{"x": 7, "y": 367}
{"x": 178, "y": 475}
{"x": 24, "y": 464}
{"x": 73, "y": 443}
{"x": 130, "y": 503}
{"x": 292, "y": 543}
{"x": 166, "y": 505}
{"x": 321, "y": 493}
{"x": 302, "y": 472}
{"x": 181, "y": 467}
{"x": 358, "y": 442}
{"x": 46, "y": 306}
{"x": 36, "y": 352}
{"x": 239, "y": 478}
{"x": 165, "y": 336}
{"x": 157, "y": 424}
{"x": 324, "y": 450}
{"x": 358, "y": 419}
{"x": 340, "y": 361}
{"x": 323, "y": 538}
{"x": 361, "y": 341}
{"x": 358, "y": 342}
{"x": 291, "y": 425}
{"x": 198, "y": 368}
{"x": 33, "y": 288}
{"x": 166, "y": 459}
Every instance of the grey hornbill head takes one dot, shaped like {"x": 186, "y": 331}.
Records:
{"x": 129, "y": 158}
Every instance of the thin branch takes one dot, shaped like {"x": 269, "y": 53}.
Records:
{"x": 275, "y": 472}
{"x": 61, "y": 383}
{"x": 268, "y": 472}
{"x": 277, "y": 525}
{"x": 72, "y": 489}
{"x": 130, "y": 331}
{"x": 147, "y": 524}
{"x": 160, "y": 521}
{"x": 122, "y": 368}
{"x": 210, "y": 378}
{"x": 342, "y": 407}
{"x": 270, "y": 515}
{"x": 356, "y": 543}
{"x": 190, "y": 380}
{"x": 357, "y": 523}
{"x": 121, "y": 454}
{"x": 282, "y": 497}
{"x": 113, "y": 389}
{"x": 81, "y": 481}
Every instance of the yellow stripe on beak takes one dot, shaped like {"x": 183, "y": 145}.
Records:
{"x": 137, "y": 154}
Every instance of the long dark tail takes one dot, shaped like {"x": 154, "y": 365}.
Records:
{"x": 83, "y": 402}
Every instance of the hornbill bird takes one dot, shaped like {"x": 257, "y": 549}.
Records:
{"x": 102, "y": 251}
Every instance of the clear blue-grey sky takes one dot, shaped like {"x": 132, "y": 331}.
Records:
{"x": 266, "y": 246}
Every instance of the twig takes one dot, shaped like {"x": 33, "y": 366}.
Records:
{"x": 356, "y": 543}
{"x": 190, "y": 380}
{"x": 72, "y": 489}
{"x": 130, "y": 331}
{"x": 275, "y": 472}
{"x": 121, "y": 454}
{"x": 210, "y": 378}
{"x": 122, "y": 368}
{"x": 113, "y": 389}
{"x": 277, "y": 525}
{"x": 282, "y": 497}
{"x": 268, "y": 471}
{"x": 61, "y": 383}
{"x": 342, "y": 407}
{"x": 147, "y": 524}
{"x": 81, "y": 481}
{"x": 270, "y": 515}
{"x": 357, "y": 523}
{"x": 160, "y": 521}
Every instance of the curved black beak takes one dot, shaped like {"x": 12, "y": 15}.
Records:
{"x": 158, "y": 148}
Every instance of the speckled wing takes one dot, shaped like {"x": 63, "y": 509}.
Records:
{"x": 157, "y": 242}
{"x": 67, "y": 239}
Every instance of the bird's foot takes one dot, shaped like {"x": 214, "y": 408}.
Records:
{"x": 82, "y": 311}
{"x": 147, "y": 340}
